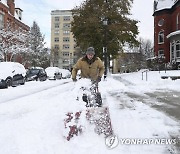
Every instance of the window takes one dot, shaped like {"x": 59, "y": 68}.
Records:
{"x": 66, "y": 18}
{"x": 155, "y": 5}
{"x": 56, "y": 25}
{"x": 161, "y": 37}
{"x": 56, "y": 61}
{"x": 75, "y": 46}
{"x": 161, "y": 22}
{"x": 1, "y": 21}
{"x": 66, "y": 25}
{"x": 178, "y": 49}
{"x": 56, "y": 39}
{"x": 177, "y": 22}
{"x": 66, "y": 32}
{"x": 56, "y": 47}
{"x": 56, "y": 18}
{"x": 66, "y": 39}
{"x": 66, "y": 61}
{"x": 56, "y": 54}
{"x": 56, "y": 32}
{"x": 66, "y": 54}
{"x": 20, "y": 15}
{"x": 161, "y": 52}
{"x": 65, "y": 46}
{"x": 74, "y": 54}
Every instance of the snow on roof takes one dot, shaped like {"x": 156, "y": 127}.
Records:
{"x": 4, "y": 2}
{"x": 164, "y": 4}
{"x": 65, "y": 72}
{"x": 50, "y": 70}
{"x": 173, "y": 33}
{"x": 10, "y": 69}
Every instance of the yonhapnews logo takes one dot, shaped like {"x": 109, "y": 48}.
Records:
{"x": 111, "y": 141}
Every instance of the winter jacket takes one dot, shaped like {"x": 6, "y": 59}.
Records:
{"x": 89, "y": 68}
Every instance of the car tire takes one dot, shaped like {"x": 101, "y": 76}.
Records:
{"x": 24, "y": 80}
{"x": 8, "y": 82}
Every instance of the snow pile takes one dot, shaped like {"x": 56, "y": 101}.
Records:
{"x": 151, "y": 81}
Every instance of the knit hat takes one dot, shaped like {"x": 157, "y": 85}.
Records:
{"x": 90, "y": 50}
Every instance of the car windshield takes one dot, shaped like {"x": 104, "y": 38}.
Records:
{"x": 33, "y": 71}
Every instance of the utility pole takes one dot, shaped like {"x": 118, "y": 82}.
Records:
{"x": 105, "y": 23}
{"x": 105, "y": 61}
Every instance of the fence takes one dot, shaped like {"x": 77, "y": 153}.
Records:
{"x": 146, "y": 76}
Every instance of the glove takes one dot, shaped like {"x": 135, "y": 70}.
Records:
{"x": 74, "y": 79}
{"x": 98, "y": 79}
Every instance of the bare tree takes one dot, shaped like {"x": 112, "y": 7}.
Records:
{"x": 146, "y": 47}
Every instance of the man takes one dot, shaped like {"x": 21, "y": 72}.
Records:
{"x": 91, "y": 66}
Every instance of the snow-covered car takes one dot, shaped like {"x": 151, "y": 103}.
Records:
{"x": 65, "y": 73}
{"x": 35, "y": 74}
{"x": 11, "y": 74}
{"x": 53, "y": 73}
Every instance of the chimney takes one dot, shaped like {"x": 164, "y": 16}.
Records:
{"x": 11, "y": 5}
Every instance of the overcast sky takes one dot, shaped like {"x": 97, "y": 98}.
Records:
{"x": 40, "y": 11}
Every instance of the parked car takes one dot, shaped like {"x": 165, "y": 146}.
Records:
{"x": 65, "y": 73}
{"x": 11, "y": 74}
{"x": 53, "y": 73}
{"x": 35, "y": 74}
{"x": 179, "y": 67}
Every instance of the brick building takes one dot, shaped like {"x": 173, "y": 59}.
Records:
{"x": 167, "y": 30}
{"x": 9, "y": 14}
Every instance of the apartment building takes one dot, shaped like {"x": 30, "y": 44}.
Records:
{"x": 64, "y": 52}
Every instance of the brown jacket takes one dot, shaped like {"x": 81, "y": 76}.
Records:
{"x": 89, "y": 68}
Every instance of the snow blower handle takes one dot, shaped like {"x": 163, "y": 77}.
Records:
{"x": 95, "y": 85}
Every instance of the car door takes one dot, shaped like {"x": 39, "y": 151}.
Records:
{"x": 42, "y": 75}
{"x": 18, "y": 77}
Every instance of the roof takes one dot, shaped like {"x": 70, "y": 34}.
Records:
{"x": 164, "y": 4}
{"x": 4, "y": 2}
{"x": 173, "y": 34}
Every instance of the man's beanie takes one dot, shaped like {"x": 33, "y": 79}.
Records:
{"x": 90, "y": 50}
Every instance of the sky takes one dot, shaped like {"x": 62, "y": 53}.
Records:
{"x": 40, "y": 11}
{"x": 32, "y": 116}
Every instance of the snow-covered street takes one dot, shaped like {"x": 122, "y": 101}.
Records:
{"x": 32, "y": 116}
